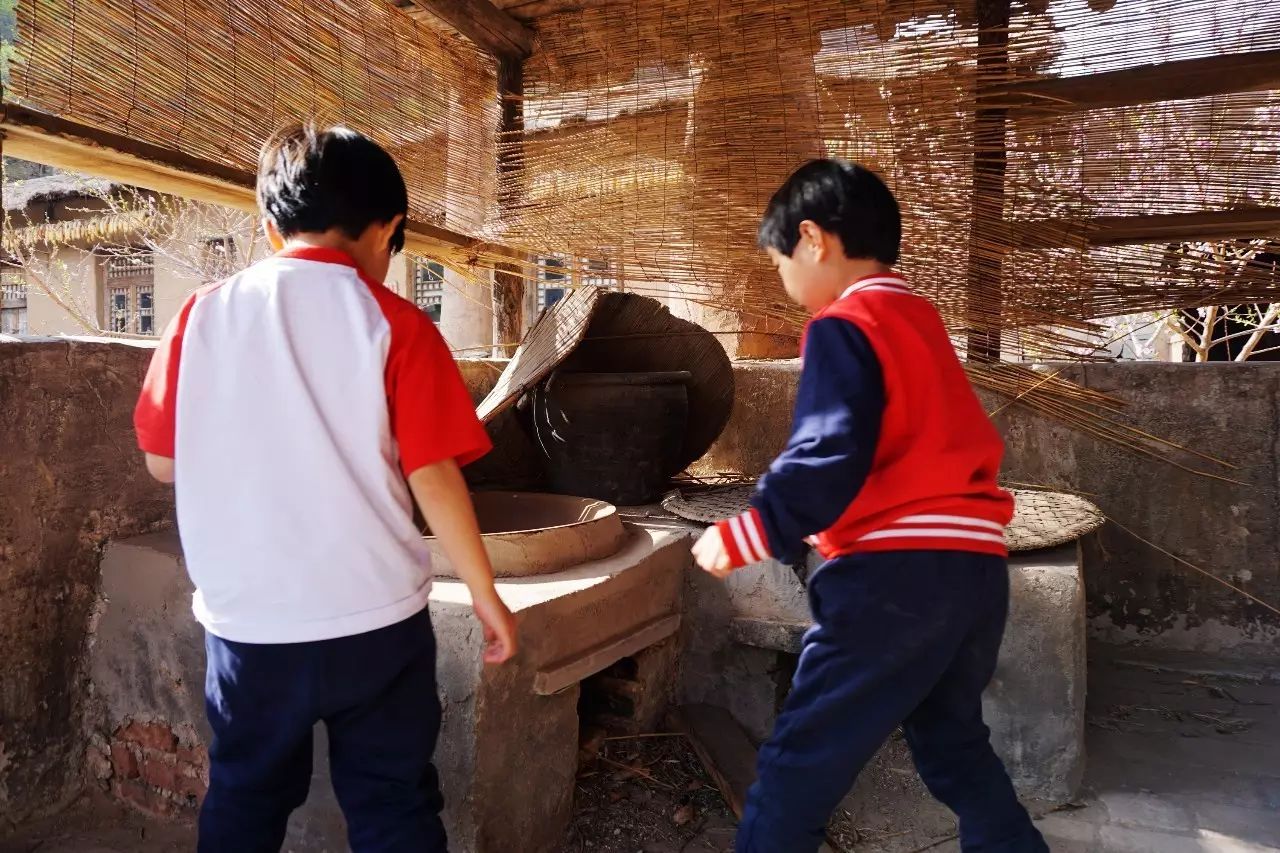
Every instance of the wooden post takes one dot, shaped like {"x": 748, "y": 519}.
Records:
{"x": 508, "y": 283}
{"x": 987, "y": 241}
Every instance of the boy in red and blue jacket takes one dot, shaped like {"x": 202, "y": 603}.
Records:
{"x": 890, "y": 472}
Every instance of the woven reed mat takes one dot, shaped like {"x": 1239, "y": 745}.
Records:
{"x": 1040, "y": 519}
{"x": 599, "y": 331}
{"x": 553, "y": 337}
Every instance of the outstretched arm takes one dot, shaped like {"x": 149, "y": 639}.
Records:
{"x": 833, "y": 440}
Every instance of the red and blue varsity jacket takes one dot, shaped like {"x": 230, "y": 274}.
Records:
{"x": 890, "y": 449}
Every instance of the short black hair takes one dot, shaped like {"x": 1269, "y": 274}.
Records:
{"x": 311, "y": 180}
{"x": 843, "y": 198}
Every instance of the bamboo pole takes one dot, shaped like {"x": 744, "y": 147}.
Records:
{"x": 990, "y": 162}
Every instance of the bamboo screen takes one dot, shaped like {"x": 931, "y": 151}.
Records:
{"x": 657, "y": 129}
{"x": 214, "y": 79}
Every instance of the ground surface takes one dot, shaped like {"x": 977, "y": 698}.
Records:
{"x": 648, "y": 795}
{"x": 95, "y": 825}
{"x": 1182, "y": 759}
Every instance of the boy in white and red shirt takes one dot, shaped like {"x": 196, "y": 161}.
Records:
{"x": 890, "y": 472}
{"x": 300, "y": 408}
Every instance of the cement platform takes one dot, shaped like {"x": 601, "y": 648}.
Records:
{"x": 509, "y": 740}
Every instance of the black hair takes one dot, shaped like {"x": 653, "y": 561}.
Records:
{"x": 312, "y": 180}
{"x": 842, "y": 198}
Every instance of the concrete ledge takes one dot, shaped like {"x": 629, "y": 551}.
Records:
{"x": 569, "y": 673}
{"x": 768, "y": 634}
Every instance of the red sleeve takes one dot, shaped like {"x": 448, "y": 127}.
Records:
{"x": 744, "y": 539}
{"x": 432, "y": 415}
{"x": 155, "y": 416}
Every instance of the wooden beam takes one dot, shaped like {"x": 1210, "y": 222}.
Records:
{"x": 990, "y": 161}
{"x": 488, "y": 27}
{"x": 53, "y": 141}
{"x": 42, "y": 138}
{"x": 508, "y": 282}
{"x": 1145, "y": 84}
{"x": 575, "y": 125}
{"x": 530, "y": 10}
{"x": 1154, "y": 228}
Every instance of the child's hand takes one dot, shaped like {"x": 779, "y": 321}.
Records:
{"x": 710, "y": 554}
{"x": 499, "y": 628}
{"x": 441, "y": 492}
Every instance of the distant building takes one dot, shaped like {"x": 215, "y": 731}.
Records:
{"x": 85, "y": 263}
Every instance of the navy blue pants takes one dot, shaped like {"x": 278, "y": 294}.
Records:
{"x": 375, "y": 693}
{"x": 906, "y": 637}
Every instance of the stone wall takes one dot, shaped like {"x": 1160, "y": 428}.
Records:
{"x": 70, "y": 480}
{"x": 1136, "y": 594}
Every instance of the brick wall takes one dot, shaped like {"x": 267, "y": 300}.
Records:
{"x": 152, "y": 767}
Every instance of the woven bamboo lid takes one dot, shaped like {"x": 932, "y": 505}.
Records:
{"x": 1040, "y": 519}
{"x": 597, "y": 331}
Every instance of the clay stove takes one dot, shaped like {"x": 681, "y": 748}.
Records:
{"x": 589, "y": 591}
{"x": 592, "y": 592}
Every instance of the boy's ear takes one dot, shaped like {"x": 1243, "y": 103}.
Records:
{"x": 274, "y": 237}
{"x": 814, "y": 242}
{"x": 388, "y": 233}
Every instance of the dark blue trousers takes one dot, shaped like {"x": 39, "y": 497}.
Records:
{"x": 901, "y": 638}
{"x": 375, "y": 693}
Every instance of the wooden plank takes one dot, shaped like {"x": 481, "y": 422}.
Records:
{"x": 723, "y": 748}
{"x": 1153, "y": 228}
{"x": 488, "y": 27}
{"x": 1145, "y": 84}
{"x": 53, "y": 141}
{"x": 569, "y": 672}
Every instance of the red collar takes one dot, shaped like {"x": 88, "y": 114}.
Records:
{"x": 322, "y": 255}
{"x": 319, "y": 254}
{"x": 877, "y": 281}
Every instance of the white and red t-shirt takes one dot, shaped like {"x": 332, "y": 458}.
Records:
{"x": 295, "y": 398}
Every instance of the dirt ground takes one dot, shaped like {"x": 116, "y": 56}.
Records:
{"x": 1180, "y": 759}
{"x": 648, "y": 794}
{"x": 94, "y": 824}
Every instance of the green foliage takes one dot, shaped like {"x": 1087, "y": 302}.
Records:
{"x": 8, "y": 37}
